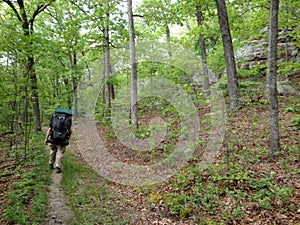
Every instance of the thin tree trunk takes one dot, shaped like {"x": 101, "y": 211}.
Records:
{"x": 26, "y": 132}
{"x": 72, "y": 64}
{"x": 229, "y": 55}
{"x": 133, "y": 65}
{"x": 112, "y": 91}
{"x": 16, "y": 114}
{"x": 74, "y": 86}
{"x": 272, "y": 77}
{"x": 34, "y": 96}
{"x": 103, "y": 78}
{"x": 107, "y": 64}
{"x": 168, "y": 35}
{"x": 56, "y": 92}
{"x": 28, "y": 30}
{"x": 74, "y": 96}
{"x": 203, "y": 53}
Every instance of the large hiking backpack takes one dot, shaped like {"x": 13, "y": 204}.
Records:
{"x": 61, "y": 124}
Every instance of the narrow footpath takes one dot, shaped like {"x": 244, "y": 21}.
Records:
{"x": 58, "y": 210}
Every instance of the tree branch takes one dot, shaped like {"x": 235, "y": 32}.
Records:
{"x": 40, "y": 8}
{"x": 80, "y": 8}
{"x": 141, "y": 16}
{"x": 22, "y": 10}
{"x": 10, "y": 4}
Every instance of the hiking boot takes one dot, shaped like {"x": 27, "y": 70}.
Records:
{"x": 51, "y": 166}
{"x": 58, "y": 170}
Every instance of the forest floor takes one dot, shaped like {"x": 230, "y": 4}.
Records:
{"x": 259, "y": 190}
{"x": 246, "y": 196}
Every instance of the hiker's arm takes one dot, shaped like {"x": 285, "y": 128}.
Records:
{"x": 47, "y": 135}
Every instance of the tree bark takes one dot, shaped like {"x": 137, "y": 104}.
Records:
{"x": 199, "y": 17}
{"x": 34, "y": 95}
{"x": 133, "y": 65}
{"x": 74, "y": 86}
{"x": 168, "y": 35}
{"x": 28, "y": 30}
{"x": 272, "y": 77}
{"x": 229, "y": 55}
{"x": 107, "y": 64}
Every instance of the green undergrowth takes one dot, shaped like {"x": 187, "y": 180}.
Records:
{"x": 226, "y": 196}
{"x": 213, "y": 192}
{"x": 88, "y": 195}
{"x": 251, "y": 185}
{"x": 248, "y": 186}
{"x": 27, "y": 195}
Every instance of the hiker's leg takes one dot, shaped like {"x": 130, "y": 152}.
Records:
{"x": 59, "y": 155}
{"x": 53, "y": 151}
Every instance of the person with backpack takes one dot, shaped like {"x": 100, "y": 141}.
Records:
{"x": 57, "y": 136}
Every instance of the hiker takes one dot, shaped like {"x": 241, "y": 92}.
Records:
{"x": 57, "y": 137}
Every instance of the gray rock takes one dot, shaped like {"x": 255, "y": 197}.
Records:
{"x": 252, "y": 51}
{"x": 285, "y": 88}
{"x": 255, "y": 52}
{"x": 197, "y": 78}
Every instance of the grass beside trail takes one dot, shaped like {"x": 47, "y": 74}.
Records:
{"x": 89, "y": 196}
{"x": 27, "y": 195}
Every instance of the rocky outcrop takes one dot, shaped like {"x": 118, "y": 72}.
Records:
{"x": 197, "y": 78}
{"x": 256, "y": 52}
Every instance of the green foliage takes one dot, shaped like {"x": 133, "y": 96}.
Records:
{"x": 287, "y": 68}
{"x": 234, "y": 184}
{"x": 155, "y": 198}
{"x": 267, "y": 192}
{"x": 249, "y": 85}
{"x": 295, "y": 120}
{"x": 291, "y": 108}
{"x": 177, "y": 204}
{"x": 247, "y": 18}
{"x": 88, "y": 199}
{"x": 254, "y": 72}
{"x": 27, "y": 198}
{"x": 216, "y": 60}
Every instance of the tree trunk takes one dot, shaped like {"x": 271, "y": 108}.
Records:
{"x": 133, "y": 65}
{"x": 28, "y": 30}
{"x": 199, "y": 17}
{"x": 229, "y": 55}
{"x": 74, "y": 86}
{"x": 168, "y": 35}
{"x": 272, "y": 77}
{"x": 26, "y": 132}
{"x": 107, "y": 64}
{"x": 72, "y": 66}
{"x": 35, "y": 96}
{"x": 16, "y": 114}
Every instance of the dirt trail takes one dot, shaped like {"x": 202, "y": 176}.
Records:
{"x": 58, "y": 211}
